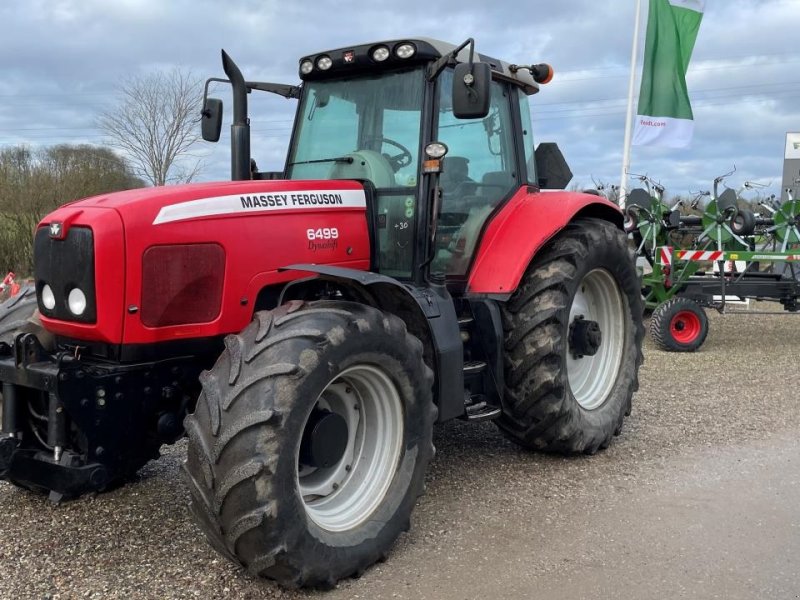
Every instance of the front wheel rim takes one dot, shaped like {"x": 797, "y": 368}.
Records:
{"x": 346, "y": 494}
{"x": 592, "y": 378}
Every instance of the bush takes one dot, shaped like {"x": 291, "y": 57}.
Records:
{"x": 34, "y": 183}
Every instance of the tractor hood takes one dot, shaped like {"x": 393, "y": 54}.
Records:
{"x": 193, "y": 260}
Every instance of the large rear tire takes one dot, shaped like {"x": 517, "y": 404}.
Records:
{"x": 310, "y": 441}
{"x": 573, "y": 337}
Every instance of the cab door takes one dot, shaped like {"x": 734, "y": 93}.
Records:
{"x": 480, "y": 172}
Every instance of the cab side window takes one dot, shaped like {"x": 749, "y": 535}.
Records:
{"x": 479, "y": 171}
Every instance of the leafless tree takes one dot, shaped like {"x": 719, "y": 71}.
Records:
{"x": 156, "y": 124}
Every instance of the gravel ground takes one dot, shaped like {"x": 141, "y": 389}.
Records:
{"x": 696, "y": 498}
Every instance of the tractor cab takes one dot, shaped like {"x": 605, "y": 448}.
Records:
{"x": 429, "y": 127}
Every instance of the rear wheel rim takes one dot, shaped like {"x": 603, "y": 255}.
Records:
{"x": 346, "y": 494}
{"x": 685, "y": 327}
{"x": 592, "y": 378}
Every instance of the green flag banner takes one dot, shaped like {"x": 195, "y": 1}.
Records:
{"x": 664, "y": 116}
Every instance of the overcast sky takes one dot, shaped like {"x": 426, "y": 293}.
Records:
{"x": 64, "y": 59}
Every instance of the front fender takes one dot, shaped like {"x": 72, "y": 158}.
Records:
{"x": 521, "y": 228}
{"x": 429, "y": 314}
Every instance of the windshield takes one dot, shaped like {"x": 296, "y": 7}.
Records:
{"x": 360, "y": 128}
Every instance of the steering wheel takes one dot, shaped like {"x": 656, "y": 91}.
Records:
{"x": 398, "y": 161}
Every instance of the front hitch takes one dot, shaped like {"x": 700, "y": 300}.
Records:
{"x": 8, "y": 445}
{"x": 74, "y": 423}
{"x": 69, "y": 477}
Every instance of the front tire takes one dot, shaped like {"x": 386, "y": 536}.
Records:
{"x": 573, "y": 342}
{"x": 310, "y": 441}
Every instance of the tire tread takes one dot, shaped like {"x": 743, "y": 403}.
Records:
{"x": 539, "y": 412}
{"x": 234, "y": 508}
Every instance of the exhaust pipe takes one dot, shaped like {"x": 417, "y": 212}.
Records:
{"x": 240, "y": 129}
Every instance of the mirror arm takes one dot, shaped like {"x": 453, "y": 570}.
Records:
{"x": 437, "y": 67}
{"x": 205, "y": 91}
{"x": 281, "y": 89}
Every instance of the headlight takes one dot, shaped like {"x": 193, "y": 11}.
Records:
{"x": 306, "y": 67}
{"x": 405, "y": 50}
{"x": 48, "y": 298}
{"x": 76, "y": 302}
{"x": 380, "y": 54}
{"x": 324, "y": 63}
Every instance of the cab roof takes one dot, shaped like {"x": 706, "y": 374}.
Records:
{"x": 356, "y": 58}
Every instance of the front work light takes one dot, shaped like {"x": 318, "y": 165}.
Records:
{"x": 435, "y": 150}
{"x": 405, "y": 50}
{"x": 306, "y": 67}
{"x": 380, "y": 54}
{"x": 324, "y": 63}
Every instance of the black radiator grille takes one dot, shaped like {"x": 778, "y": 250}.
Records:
{"x": 65, "y": 264}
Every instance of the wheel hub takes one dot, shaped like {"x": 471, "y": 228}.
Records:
{"x": 595, "y": 338}
{"x": 685, "y": 327}
{"x": 350, "y": 447}
{"x": 324, "y": 439}
{"x": 585, "y": 337}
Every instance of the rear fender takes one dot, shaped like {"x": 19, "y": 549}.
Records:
{"x": 521, "y": 228}
{"x": 429, "y": 315}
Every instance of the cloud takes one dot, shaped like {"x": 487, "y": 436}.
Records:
{"x": 70, "y": 55}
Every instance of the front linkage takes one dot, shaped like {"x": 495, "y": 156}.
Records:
{"x": 72, "y": 425}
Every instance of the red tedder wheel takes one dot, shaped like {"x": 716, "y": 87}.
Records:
{"x": 685, "y": 327}
{"x": 679, "y": 325}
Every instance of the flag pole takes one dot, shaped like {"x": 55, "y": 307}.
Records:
{"x": 626, "y": 152}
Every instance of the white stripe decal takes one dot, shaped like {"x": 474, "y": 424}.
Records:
{"x": 261, "y": 202}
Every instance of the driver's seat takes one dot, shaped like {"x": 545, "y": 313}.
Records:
{"x": 367, "y": 164}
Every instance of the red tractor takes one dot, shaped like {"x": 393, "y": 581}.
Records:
{"x": 307, "y": 328}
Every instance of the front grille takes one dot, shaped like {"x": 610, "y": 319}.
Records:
{"x": 65, "y": 264}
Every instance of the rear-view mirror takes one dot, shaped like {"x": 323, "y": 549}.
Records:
{"x": 471, "y": 91}
{"x": 211, "y": 124}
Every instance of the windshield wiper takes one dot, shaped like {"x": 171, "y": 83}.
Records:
{"x": 342, "y": 159}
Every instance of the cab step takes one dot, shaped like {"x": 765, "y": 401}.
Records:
{"x": 473, "y": 366}
{"x": 478, "y": 409}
